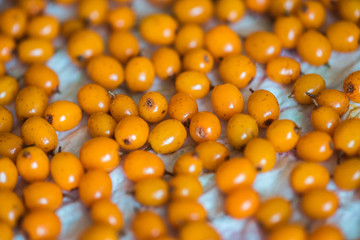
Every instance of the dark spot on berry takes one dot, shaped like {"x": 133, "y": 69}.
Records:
{"x": 268, "y": 121}
{"x": 80, "y": 58}
{"x": 127, "y": 141}
{"x": 200, "y": 132}
{"x": 26, "y": 154}
{"x": 206, "y": 58}
{"x": 163, "y": 112}
{"x": 349, "y": 88}
{"x": 149, "y": 102}
{"x": 49, "y": 118}
{"x": 259, "y": 169}
{"x": 304, "y": 8}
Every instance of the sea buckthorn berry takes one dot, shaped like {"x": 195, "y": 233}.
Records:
{"x": 196, "y": 84}
{"x": 83, "y": 45}
{"x": 41, "y": 224}
{"x": 10, "y": 145}
{"x": 307, "y": 176}
{"x": 140, "y": 165}
{"x": 13, "y": 22}
{"x": 198, "y": 230}
{"x": 274, "y": 212}
{"x": 205, "y": 126}
{"x": 319, "y": 203}
{"x": 343, "y": 36}
{"x": 153, "y": 107}
{"x": 128, "y": 48}
{"x": 188, "y": 164}
{"x": 12, "y": 208}
{"x": 46, "y": 27}
{"x": 182, "y": 107}
{"x": 283, "y": 70}
{"x": 106, "y": 71}
{"x": 211, "y": 154}
{"x": 70, "y": 26}
{"x": 93, "y": 98}
{"x": 230, "y": 10}
{"x": 182, "y": 211}
{"x": 263, "y": 160}
{"x": 99, "y": 232}
{"x": 9, "y": 174}
{"x": 226, "y": 100}
{"x": 288, "y": 232}
{"x": 30, "y": 101}
{"x": 283, "y": 7}
{"x": 352, "y": 86}
{"x": 237, "y": 69}
{"x": 349, "y": 10}
{"x": 235, "y": 173}
{"x": 240, "y": 129}
{"x": 93, "y": 11}
{"x": 325, "y": 119}
{"x": 42, "y": 76}
{"x": 185, "y": 187}
{"x": 7, "y": 46}
{"x": 38, "y": 131}
{"x": 152, "y": 192}
{"x": 105, "y": 212}
{"x": 158, "y": 29}
{"x": 326, "y": 232}
{"x": 188, "y": 11}
{"x": 309, "y": 83}
{"x": 122, "y": 106}
{"x": 32, "y": 7}
{"x": 190, "y": 36}
{"x": 333, "y": 98}
{"x": 121, "y": 18}
{"x": 6, "y": 231}
{"x": 65, "y": 2}
{"x": 66, "y": 170}
{"x": 167, "y": 63}
{"x": 100, "y": 153}
{"x": 259, "y": 6}
{"x": 243, "y": 202}
{"x": 42, "y": 195}
{"x": 35, "y": 50}
{"x": 198, "y": 60}
{"x": 2, "y": 69}
{"x": 312, "y": 14}
{"x": 347, "y": 174}
{"x": 131, "y": 132}
{"x": 283, "y": 134}
{"x": 314, "y": 48}
{"x": 288, "y": 29}
{"x": 101, "y": 125}
{"x": 329, "y": 4}
{"x": 63, "y": 115}
{"x": 6, "y": 120}
{"x": 222, "y": 41}
{"x": 139, "y": 74}
{"x": 94, "y": 185}
{"x": 346, "y": 136}
{"x": 33, "y": 164}
{"x": 315, "y": 146}
{"x": 263, "y": 106}
{"x": 167, "y": 137}
{"x": 148, "y": 225}
{"x": 262, "y": 46}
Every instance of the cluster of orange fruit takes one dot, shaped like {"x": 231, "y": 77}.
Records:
{"x": 117, "y": 123}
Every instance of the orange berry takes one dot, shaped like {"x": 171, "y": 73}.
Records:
{"x": 352, "y": 86}
{"x": 283, "y": 134}
{"x": 204, "y": 126}
{"x": 93, "y": 98}
{"x": 283, "y": 70}
{"x": 263, "y": 160}
{"x": 2, "y": 69}
{"x": 288, "y": 29}
{"x": 9, "y": 88}
{"x": 101, "y": 125}
{"x": 45, "y": 26}
{"x": 139, "y": 74}
{"x": 6, "y": 231}
{"x": 185, "y": 187}
{"x": 198, "y": 231}
{"x": 349, "y": 10}
{"x": 326, "y": 232}
{"x": 121, "y": 18}
{"x": 346, "y": 136}
{"x": 343, "y": 36}
{"x": 347, "y": 174}
{"x": 41, "y": 224}
{"x": 6, "y": 120}
{"x": 230, "y": 10}
{"x": 32, "y": 7}
{"x": 12, "y": 208}
{"x": 325, "y": 119}
{"x": 240, "y": 129}
{"x": 99, "y": 232}
{"x": 333, "y": 98}
{"x": 283, "y": 7}
{"x": 190, "y": 36}
{"x": 182, "y": 107}
{"x": 9, "y": 174}
{"x": 13, "y": 22}
{"x": 152, "y": 192}
{"x": 315, "y": 146}
{"x": 70, "y": 26}
{"x": 167, "y": 63}
{"x": 65, "y": 2}
{"x": 35, "y": 50}
{"x": 148, "y": 225}
{"x": 198, "y": 60}
{"x": 309, "y": 83}
{"x": 312, "y": 14}
{"x": 63, "y": 115}
{"x": 182, "y": 211}
{"x": 188, "y": 164}
{"x": 105, "y": 212}
{"x": 42, "y": 196}
{"x": 122, "y": 106}
{"x": 195, "y": 84}
{"x": 188, "y": 11}
{"x": 128, "y": 48}
{"x": 259, "y": 6}
{"x": 153, "y": 107}
{"x": 7, "y": 47}
{"x": 30, "y": 101}
{"x": 243, "y": 202}
{"x": 288, "y": 232}
{"x": 211, "y": 154}
{"x": 93, "y": 11}
{"x": 319, "y": 203}
{"x": 42, "y": 76}
{"x": 10, "y": 145}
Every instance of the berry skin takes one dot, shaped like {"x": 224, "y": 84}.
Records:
{"x": 312, "y": 14}
{"x": 182, "y": 107}
{"x": 13, "y": 22}
{"x": 237, "y": 69}
{"x": 167, "y": 137}
{"x": 241, "y": 203}
{"x": 158, "y": 29}
{"x": 153, "y": 107}
{"x": 230, "y": 10}
{"x": 198, "y": 60}
{"x": 195, "y": 84}
{"x": 325, "y": 119}
{"x": 184, "y": 186}
{"x": 333, "y": 98}
{"x": 94, "y": 185}
{"x": 140, "y": 165}
{"x": 315, "y": 146}
{"x": 307, "y": 176}
{"x": 188, "y": 164}
{"x": 152, "y": 192}
{"x": 235, "y": 173}
{"x": 204, "y": 126}
{"x": 70, "y": 26}
{"x": 41, "y": 224}
{"x": 222, "y": 41}
{"x": 122, "y": 106}
{"x": 308, "y": 83}
{"x": 211, "y": 154}
{"x": 349, "y": 10}
{"x": 283, "y": 7}
{"x": 32, "y": 7}
{"x": 148, "y": 225}
{"x": 283, "y": 70}
{"x": 129, "y": 48}
{"x": 352, "y": 86}
{"x": 187, "y": 11}
{"x": 326, "y": 232}
{"x": 283, "y": 134}
{"x": 93, "y": 11}
{"x": 347, "y": 174}
{"x": 105, "y": 212}
{"x": 190, "y": 36}
{"x": 6, "y": 231}
{"x": 288, "y": 29}
{"x": 167, "y": 63}
{"x": 274, "y": 212}
{"x": 9, "y": 88}
{"x": 9, "y": 173}
{"x": 240, "y": 129}
{"x": 288, "y": 232}
{"x": 319, "y": 203}
{"x": 12, "y": 208}
{"x": 35, "y": 50}
{"x": 343, "y": 36}
{"x": 7, "y": 46}
{"x": 6, "y": 120}
{"x": 101, "y": 125}
{"x": 346, "y": 136}
{"x": 131, "y": 132}
{"x": 226, "y": 100}
{"x": 258, "y": 6}
{"x": 45, "y": 27}
{"x": 263, "y": 160}
{"x": 314, "y": 48}
{"x": 106, "y": 71}
{"x": 66, "y": 170}
{"x": 263, "y": 106}
{"x": 63, "y": 115}
{"x": 198, "y": 231}
{"x": 42, "y": 196}
{"x": 42, "y": 76}
{"x": 121, "y": 18}
{"x": 93, "y": 98}
{"x": 10, "y": 145}
{"x": 182, "y": 211}
{"x": 139, "y": 74}
{"x": 99, "y": 232}
{"x": 100, "y": 153}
